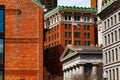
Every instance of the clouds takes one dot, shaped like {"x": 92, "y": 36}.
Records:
{"x": 80, "y": 3}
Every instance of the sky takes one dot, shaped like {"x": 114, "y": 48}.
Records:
{"x": 80, "y": 3}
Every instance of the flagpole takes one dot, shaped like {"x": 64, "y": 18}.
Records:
{"x": 72, "y": 34}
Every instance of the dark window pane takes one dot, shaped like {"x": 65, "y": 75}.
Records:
{"x": 1, "y": 20}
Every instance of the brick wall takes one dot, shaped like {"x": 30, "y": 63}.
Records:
{"x": 23, "y": 40}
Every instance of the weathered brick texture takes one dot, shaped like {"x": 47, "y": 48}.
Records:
{"x": 23, "y": 40}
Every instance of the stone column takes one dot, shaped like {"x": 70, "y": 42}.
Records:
{"x": 74, "y": 70}
{"x": 65, "y": 74}
{"x": 93, "y": 75}
{"x": 81, "y": 72}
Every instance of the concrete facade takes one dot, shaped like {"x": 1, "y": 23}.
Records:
{"x": 23, "y": 51}
{"x": 82, "y": 63}
{"x": 111, "y": 38}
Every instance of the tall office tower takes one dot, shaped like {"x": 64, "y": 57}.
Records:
{"x": 49, "y": 4}
{"x": 21, "y": 40}
{"x": 110, "y": 16}
{"x": 60, "y": 33}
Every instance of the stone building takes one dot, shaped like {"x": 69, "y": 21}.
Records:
{"x": 21, "y": 40}
{"x": 82, "y": 63}
{"x": 110, "y": 16}
{"x": 59, "y": 22}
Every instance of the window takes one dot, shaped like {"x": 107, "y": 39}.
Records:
{"x": 112, "y": 37}
{"x": 86, "y": 43}
{"x": 86, "y": 27}
{"x": 119, "y": 33}
{"x": 110, "y": 75}
{"x": 117, "y": 70}
{"x": 77, "y": 43}
{"x": 77, "y": 18}
{"x": 67, "y": 26}
{"x": 67, "y": 34}
{"x": 108, "y": 39}
{"x": 116, "y": 51}
{"x": 67, "y": 42}
{"x": 86, "y": 35}
{"x": 1, "y": 43}
{"x": 105, "y": 40}
{"x": 106, "y": 57}
{"x": 76, "y": 27}
{"x": 108, "y": 23}
{"x": 119, "y": 16}
{"x": 115, "y": 18}
{"x": 115, "y": 35}
{"x": 105, "y": 25}
{"x": 67, "y": 17}
{"x": 113, "y": 74}
{"x": 88, "y": 18}
{"x": 113, "y": 55}
{"x": 77, "y": 34}
{"x": 84, "y": 18}
{"x": 109, "y": 56}
{"x": 111, "y": 21}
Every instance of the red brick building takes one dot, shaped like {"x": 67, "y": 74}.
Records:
{"x": 59, "y": 24}
{"x": 93, "y": 3}
{"x": 23, "y": 39}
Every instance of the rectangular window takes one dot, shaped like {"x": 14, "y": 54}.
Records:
{"x": 115, "y": 35}
{"x": 108, "y": 23}
{"x": 105, "y": 25}
{"x": 119, "y": 16}
{"x": 106, "y": 57}
{"x": 67, "y": 34}
{"x": 117, "y": 70}
{"x": 1, "y": 43}
{"x": 77, "y": 18}
{"x": 109, "y": 56}
{"x": 77, "y": 34}
{"x": 111, "y": 21}
{"x": 86, "y": 43}
{"x": 85, "y": 35}
{"x": 77, "y": 43}
{"x": 88, "y": 27}
{"x": 119, "y": 34}
{"x": 113, "y": 55}
{"x": 85, "y": 27}
{"x": 115, "y": 18}
{"x": 67, "y": 42}
{"x": 84, "y": 18}
{"x": 88, "y": 18}
{"x": 88, "y": 35}
{"x": 67, "y": 26}
{"x": 65, "y": 17}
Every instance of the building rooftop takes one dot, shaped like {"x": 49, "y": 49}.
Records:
{"x": 71, "y": 51}
{"x": 71, "y": 8}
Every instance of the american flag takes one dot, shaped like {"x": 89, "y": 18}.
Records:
{"x": 75, "y": 24}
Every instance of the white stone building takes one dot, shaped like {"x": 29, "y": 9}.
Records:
{"x": 110, "y": 16}
{"x": 82, "y": 62}
{"x": 99, "y": 23}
